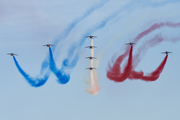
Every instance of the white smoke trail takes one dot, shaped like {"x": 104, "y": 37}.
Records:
{"x": 94, "y": 86}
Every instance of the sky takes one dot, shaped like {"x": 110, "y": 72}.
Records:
{"x": 26, "y": 25}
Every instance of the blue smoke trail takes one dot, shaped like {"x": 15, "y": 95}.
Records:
{"x": 62, "y": 77}
{"x": 100, "y": 25}
{"x": 76, "y": 21}
{"x": 103, "y": 23}
{"x": 68, "y": 62}
{"x": 35, "y": 82}
{"x": 164, "y": 3}
{"x": 66, "y": 32}
{"x": 44, "y": 67}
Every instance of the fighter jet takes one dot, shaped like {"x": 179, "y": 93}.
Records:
{"x": 166, "y": 52}
{"x": 91, "y": 58}
{"x": 48, "y": 45}
{"x": 130, "y": 43}
{"x": 90, "y": 68}
{"x": 12, "y": 54}
{"x": 90, "y": 47}
{"x": 91, "y": 37}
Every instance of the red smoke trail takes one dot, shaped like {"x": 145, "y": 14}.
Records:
{"x": 145, "y": 46}
{"x": 152, "y": 76}
{"x": 154, "y": 27}
{"x": 151, "y": 29}
{"x": 158, "y": 37}
{"x": 115, "y": 72}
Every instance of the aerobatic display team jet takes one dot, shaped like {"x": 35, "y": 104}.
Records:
{"x": 48, "y": 45}
{"x": 91, "y": 58}
{"x": 130, "y": 43}
{"x": 90, "y": 68}
{"x": 166, "y": 52}
{"x": 91, "y": 37}
{"x": 12, "y": 54}
{"x": 91, "y": 47}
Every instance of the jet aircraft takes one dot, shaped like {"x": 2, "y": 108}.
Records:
{"x": 12, "y": 54}
{"x": 90, "y": 47}
{"x": 91, "y": 37}
{"x": 166, "y": 52}
{"x": 90, "y": 68}
{"x": 48, "y": 45}
{"x": 130, "y": 43}
{"x": 91, "y": 58}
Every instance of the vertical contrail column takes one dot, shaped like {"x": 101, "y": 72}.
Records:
{"x": 92, "y": 64}
{"x": 94, "y": 87}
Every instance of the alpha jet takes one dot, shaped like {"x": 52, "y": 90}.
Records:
{"x": 48, "y": 45}
{"x": 91, "y": 37}
{"x": 90, "y": 68}
{"x": 91, "y": 47}
{"x": 166, "y": 52}
{"x": 131, "y": 43}
{"x": 12, "y": 54}
{"x": 91, "y": 58}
